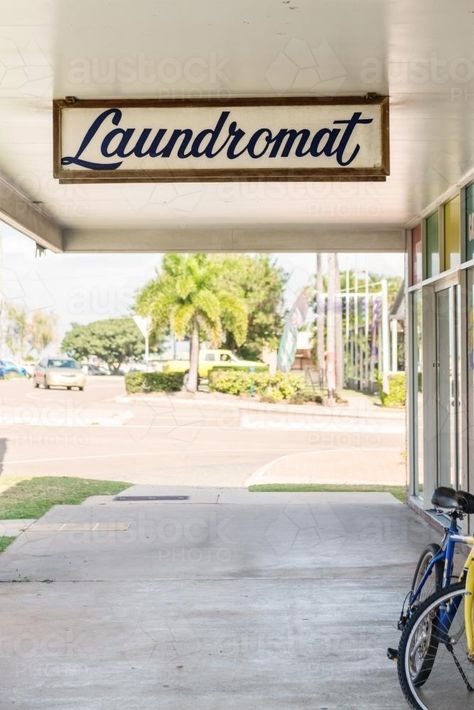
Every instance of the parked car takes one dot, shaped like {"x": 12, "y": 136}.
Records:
{"x": 89, "y": 369}
{"x": 29, "y": 367}
{"x": 140, "y": 367}
{"x": 59, "y": 372}
{"x": 11, "y": 368}
{"x": 215, "y": 359}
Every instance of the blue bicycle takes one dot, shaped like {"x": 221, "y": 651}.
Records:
{"x": 435, "y": 567}
{"x": 437, "y": 639}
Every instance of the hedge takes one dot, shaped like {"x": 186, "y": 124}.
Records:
{"x": 397, "y": 394}
{"x": 153, "y": 382}
{"x": 280, "y": 387}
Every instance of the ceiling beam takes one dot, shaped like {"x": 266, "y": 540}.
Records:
{"x": 300, "y": 238}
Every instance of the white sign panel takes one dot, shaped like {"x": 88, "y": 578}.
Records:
{"x": 143, "y": 324}
{"x": 206, "y": 140}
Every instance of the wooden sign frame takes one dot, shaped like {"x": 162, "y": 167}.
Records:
{"x": 256, "y": 174}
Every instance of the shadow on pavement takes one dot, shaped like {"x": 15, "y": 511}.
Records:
{"x": 3, "y": 450}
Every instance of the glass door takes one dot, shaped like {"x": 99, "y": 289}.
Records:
{"x": 447, "y": 385}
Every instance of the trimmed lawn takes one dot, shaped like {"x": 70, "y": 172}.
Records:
{"x": 34, "y": 497}
{"x": 5, "y": 541}
{"x": 399, "y": 492}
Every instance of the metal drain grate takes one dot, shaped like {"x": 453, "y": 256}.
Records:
{"x": 141, "y": 498}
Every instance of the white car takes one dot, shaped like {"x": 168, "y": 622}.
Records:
{"x": 59, "y": 372}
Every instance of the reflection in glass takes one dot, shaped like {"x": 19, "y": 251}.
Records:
{"x": 432, "y": 245}
{"x": 470, "y": 222}
{"x": 470, "y": 373}
{"x": 416, "y": 255}
{"x": 417, "y": 355}
{"x": 452, "y": 233}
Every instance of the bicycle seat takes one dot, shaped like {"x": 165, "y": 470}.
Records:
{"x": 445, "y": 497}
{"x": 465, "y": 502}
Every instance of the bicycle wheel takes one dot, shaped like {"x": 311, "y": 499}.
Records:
{"x": 435, "y": 580}
{"x": 433, "y": 666}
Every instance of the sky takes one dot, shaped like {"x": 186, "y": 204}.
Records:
{"x": 86, "y": 287}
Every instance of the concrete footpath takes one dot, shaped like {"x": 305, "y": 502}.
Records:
{"x": 222, "y": 599}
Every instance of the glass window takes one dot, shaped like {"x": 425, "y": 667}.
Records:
{"x": 432, "y": 245}
{"x": 210, "y": 357}
{"x": 452, "y": 233}
{"x": 66, "y": 363}
{"x": 470, "y": 222}
{"x": 417, "y": 360}
{"x": 470, "y": 374}
{"x": 416, "y": 255}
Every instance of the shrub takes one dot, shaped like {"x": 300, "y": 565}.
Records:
{"x": 153, "y": 382}
{"x": 280, "y": 387}
{"x": 229, "y": 380}
{"x": 396, "y": 396}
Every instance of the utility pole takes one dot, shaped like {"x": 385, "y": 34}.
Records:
{"x": 367, "y": 348}
{"x": 331, "y": 329}
{"x": 320, "y": 317}
{"x": 347, "y": 290}
{"x": 348, "y": 340}
{"x": 356, "y": 331}
{"x": 338, "y": 323}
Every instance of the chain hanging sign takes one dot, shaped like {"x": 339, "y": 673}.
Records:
{"x": 210, "y": 140}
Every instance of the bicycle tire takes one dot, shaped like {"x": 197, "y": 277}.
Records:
{"x": 426, "y": 556}
{"x": 409, "y": 684}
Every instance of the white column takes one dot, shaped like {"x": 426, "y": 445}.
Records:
{"x": 385, "y": 339}
{"x": 394, "y": 329}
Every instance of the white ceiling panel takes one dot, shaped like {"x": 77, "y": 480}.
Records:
{"x": 419, "y": 53}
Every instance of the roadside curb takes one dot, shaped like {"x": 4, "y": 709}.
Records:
{"x": 287, "y": 409}
{"x": 14, "y": 527}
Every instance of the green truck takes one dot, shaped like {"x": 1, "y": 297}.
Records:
{"x": 215, "y": 359}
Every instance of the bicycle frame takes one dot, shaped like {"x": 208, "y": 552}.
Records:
{"x": 445, "y": 555}
{"x": 468, "y": 603}
{"x": 468, "y": 596}
{"x": 450, "y": 610}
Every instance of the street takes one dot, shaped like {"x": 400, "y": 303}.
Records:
{"x": 179, "y": 440}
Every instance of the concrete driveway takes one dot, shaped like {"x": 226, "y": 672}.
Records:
{"x": 222, "y": 600}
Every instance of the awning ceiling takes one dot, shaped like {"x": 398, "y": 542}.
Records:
{"x": 421, "y": 54}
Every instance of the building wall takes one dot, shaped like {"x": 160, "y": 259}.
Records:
{"x": 440, "y": 315}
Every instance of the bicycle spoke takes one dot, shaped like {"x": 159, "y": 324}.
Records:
{"x": 440, "y": 673}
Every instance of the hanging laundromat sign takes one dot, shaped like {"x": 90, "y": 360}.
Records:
{"x": 209, "y": 140}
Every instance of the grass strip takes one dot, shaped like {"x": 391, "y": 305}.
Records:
{"x": 33, "y": 498}
{"x": 399, "y": 492}
{"x": 5, "y": 541}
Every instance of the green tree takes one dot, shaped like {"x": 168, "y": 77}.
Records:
{"x": 113, "y": 340}
{"x": 260, "y": 282}
{"x": 189, "y": 296}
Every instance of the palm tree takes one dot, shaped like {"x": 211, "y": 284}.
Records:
{"x": 188, "y": 297}
{"x": 17, "y": 330}
{"x": 42, "y": 330}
